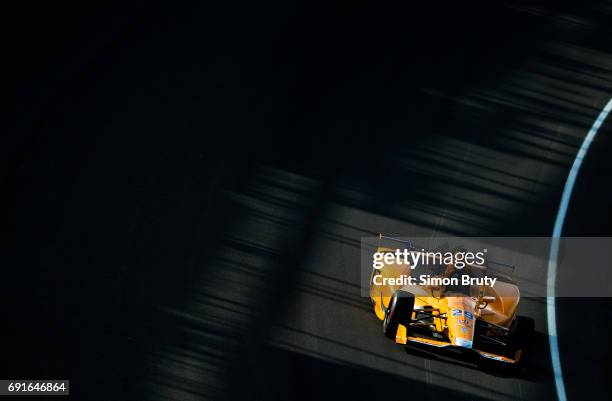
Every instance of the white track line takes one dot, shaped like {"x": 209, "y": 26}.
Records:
{"x": 554, "y": 251}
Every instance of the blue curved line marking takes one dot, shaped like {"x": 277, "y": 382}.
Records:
{"x": 554, "y": 251}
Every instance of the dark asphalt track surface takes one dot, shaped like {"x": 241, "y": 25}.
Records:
{"x": 327, "y": 320}
{"x": 188, "y": 189}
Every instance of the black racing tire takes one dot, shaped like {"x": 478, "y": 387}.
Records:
{"x": 398, "y": 312}
{"x": 524, "y": 329}
{"x": 523, "y": 338}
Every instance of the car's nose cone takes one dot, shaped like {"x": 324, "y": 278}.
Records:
{"x": 463, "y": 343}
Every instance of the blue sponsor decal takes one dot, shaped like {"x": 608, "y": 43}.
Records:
{"x": 469, "y": 315}
{"x": 456, "y": 312}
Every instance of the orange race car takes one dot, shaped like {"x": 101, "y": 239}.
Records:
{"x": 474, "y": 320}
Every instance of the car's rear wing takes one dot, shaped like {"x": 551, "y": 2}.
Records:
{"x": 410, "y": 245}
{"x": 409, "y": 242}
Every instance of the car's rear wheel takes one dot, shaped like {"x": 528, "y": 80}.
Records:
{"x": 398, "y": 312}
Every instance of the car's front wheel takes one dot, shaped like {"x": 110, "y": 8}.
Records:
{"x": 523, "y": 337}
{"x": 398, "y": 312}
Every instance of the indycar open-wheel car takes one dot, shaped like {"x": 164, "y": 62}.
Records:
{"x": 480, "y": 321}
